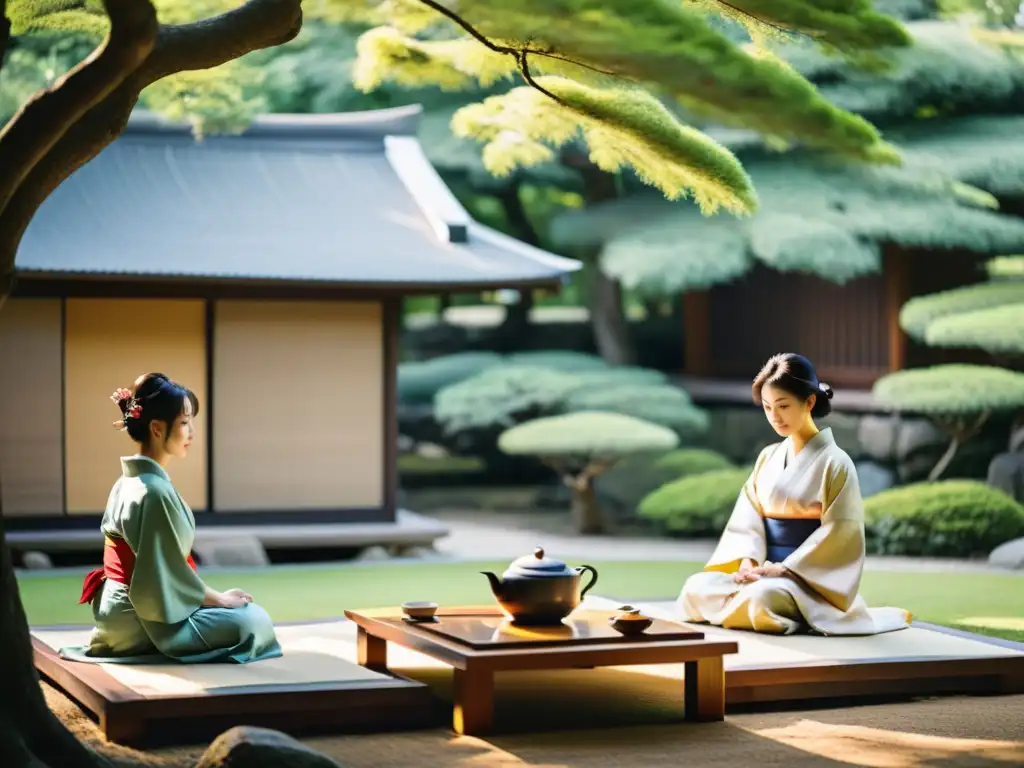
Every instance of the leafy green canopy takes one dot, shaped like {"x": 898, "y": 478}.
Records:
{"x": 595, "y": 60}
{"x": 509, "y": 394}
{"x": 631, "y": 479}
{"x": 997, "y": 330}
{"x": 984, "y": 151}
{"x": 698, "y": 505}
{"x": 419, "y": 381}
{"x": 951, "y": 390}
{"x": 952, "y": 518}
{"x": 657, "y": 403}
{"x": 946, "y": 71}
{"x": 921, "y": 312}
{"x": 818, "y": 216}
{"x": 220, "y": 100}
{"x": 592, "y": 435}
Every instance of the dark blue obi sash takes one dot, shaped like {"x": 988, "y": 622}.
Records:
{"x": 784, "y": 536}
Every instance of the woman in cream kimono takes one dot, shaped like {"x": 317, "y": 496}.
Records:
{"x": 148, "y": 602}
{"x": 792, "y": 553}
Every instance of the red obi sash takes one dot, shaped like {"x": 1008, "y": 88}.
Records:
{"x": 118, "y": 565}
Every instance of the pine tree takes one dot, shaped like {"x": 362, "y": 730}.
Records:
{"x": 951, "y": 103}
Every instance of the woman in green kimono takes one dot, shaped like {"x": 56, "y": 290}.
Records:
{"x": 148, "y": 601}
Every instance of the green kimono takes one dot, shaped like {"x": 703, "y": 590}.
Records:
{"x": 159, "y": 615}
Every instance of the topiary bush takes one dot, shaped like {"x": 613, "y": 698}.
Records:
{"x": 558, "y": 360}
{"x": 419, "y": 381}
{"x": 921, "y": 312}
{"x": 996, "y": 330}
{"x": 502, "y": 397}
{"x": 950, "y": 518}
{"x": 958, "y": 398}
{"x": 697, "y": 506}
{"x": 663, "y": 404}
{"x": 629, "y": 481}
{"x": 580, "y": 447}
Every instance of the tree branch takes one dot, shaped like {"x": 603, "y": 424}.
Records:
{"x": 254, "y": 25}
{"x": 5, "y": 31}
{"x": 208, "y": 43}
{"x": 47, "y": 116}
{"x": 519, "y": 54}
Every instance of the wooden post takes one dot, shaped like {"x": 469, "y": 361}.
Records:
{"x": 704, "y": 689}
{"x": 896, "y": 271}
{"x": 696, "y": 333}
{"x": 473, "y": 714}
{"x": 371, "y": 652}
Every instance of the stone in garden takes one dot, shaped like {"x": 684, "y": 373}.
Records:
{"x": 36, "y": 561}
{"x": 874, "y": 478}
{"x": 250, "y": 747}
{"x": 917, "y": 436}
{"x": 375, "y": 553}
{"x": 1006, "y": 473}
{"x": 877, "y": 436}
{"x": 1008, "y": 555}
{"x": 245, "y": 551}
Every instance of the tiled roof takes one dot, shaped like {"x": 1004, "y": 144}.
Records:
{"x": 345, "y": 199}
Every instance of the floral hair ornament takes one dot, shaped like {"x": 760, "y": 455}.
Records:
{"x": 132, "y": 410}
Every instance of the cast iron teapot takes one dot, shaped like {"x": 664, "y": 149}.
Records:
{"x": 538, "y": 590}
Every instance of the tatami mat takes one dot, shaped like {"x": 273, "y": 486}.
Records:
{"x": 758, "y": 649}
{"x": 313, "y": 653}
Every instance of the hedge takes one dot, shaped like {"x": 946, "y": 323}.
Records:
{"x": 698, "y": 506}
{"x": 952, "y": 518}
{"x": 633, "y": 478}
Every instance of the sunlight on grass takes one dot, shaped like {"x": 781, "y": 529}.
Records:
{"x": 994, "y": 622}
{"x": 324, "y": 591}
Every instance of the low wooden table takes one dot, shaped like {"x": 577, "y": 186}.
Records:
{"x": 477, "y": 642}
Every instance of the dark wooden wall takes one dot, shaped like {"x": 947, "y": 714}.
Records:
{"x": 849, "y": 331}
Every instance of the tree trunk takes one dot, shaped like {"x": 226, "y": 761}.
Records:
{"x": 585, "y": 512}
{"x": 30, "y": 734}
{"x": 604, "y": 294}
{"x": 944, "y": 461}
{"x": 611, "y": 331}
{"x": 517, "y": 316}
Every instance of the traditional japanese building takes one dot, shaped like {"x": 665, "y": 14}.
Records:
{"x": 264, "y": 271}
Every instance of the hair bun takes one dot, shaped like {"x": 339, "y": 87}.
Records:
{"x": 826, "y": 389}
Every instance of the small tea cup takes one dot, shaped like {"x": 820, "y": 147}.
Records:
{"x": 419, "y": 610}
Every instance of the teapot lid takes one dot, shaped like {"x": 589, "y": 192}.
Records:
{"x": 538, "y": 565}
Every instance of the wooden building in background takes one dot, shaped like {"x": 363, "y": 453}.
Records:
{"x": 264, "y": 271}
{"x": 851, "y": 332}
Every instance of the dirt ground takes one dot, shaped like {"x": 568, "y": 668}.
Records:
{"x": 959, "y": 732}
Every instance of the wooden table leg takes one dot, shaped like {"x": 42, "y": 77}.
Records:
{"x": 371, "y": 652}
{"x": 704, "y": 694}
{"x": 474, "y": 701}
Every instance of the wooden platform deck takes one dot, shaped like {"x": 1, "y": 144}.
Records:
{"x": 318, "y": 686}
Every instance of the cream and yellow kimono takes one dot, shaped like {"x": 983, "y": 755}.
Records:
{"x": 805, "y": 512}
{"x": 147, "y": 600}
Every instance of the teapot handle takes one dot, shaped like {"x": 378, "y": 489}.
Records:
{"x": 592, "y": 581}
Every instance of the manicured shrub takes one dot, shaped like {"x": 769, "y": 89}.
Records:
{"x": 585, "y": 437}
{"x": 558, "y": 360}
{"x": 419, "y": 381}
{"x": 633, "y": 478}
{"x": 951, "y": 518}
{"x": 663, "y": 404}
{"x": 581, "y": 446}
{"x": 697, "y": 506}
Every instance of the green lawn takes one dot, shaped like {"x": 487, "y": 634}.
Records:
{"x": 988, "y": 603}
